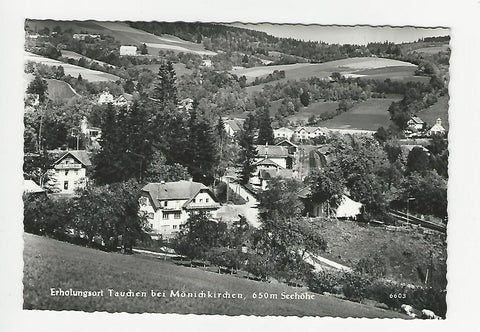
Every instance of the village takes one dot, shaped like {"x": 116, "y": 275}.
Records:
{"x": 183, "y": 156}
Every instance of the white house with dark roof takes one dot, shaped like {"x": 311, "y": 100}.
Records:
{"x": 169, "y": 204}
{"x": 71, "y": 171}
{"x": 415, "y": 123}
{"x": 128, "y": 50}
{"x": 276, "y": 153}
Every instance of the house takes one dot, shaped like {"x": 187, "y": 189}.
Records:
{"x": 169, "y": 204}
{"x": 105, "y": 98}
{"x": 347, "y": 208}
{"x": 265, "y": 175}
{"x": 415, "y": 123}
{"x": 292, "y": 148}
{"x": 71, "y": 171}
{"x": 275, "y": 153}
{"x": 233, "y": 126}
{"x": 283, "y": 133}
{"x": 128, "y": 50}
{"x": 32, "y": 189}
{"x": 305, "y": 133}
{"x": 437, "y": 129}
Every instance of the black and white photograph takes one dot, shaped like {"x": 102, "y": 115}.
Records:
{"x": 256, "y": 169}
{"x": 240, "y": 168}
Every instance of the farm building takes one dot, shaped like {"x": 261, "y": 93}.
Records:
{"x": 71, "y": 170}
{"x": 168, "y": 205}
{"x": 292, "y": 148}
{"x": 128, "y": 50}
{"x": 275, "y": 153}
{"x": 305, "y": 133}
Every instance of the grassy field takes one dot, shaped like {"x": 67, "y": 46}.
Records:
{"x": 314, "y": 109}
{"x": 437, "y": 110}
{"x": 348, "y": 67}
{"x": 404, "y": 253}
{"x": 57, "y": 90}
{"x": 433, "y": 49}
{"x": 180, "y": 68}
{"x": 88, "y": 74}
{"x": 76, "y": 56}
{"x": 53, "y": 264}
{"x": 368, "y": 115}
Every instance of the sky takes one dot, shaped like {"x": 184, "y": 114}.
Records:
{"x": 360, "y": 35}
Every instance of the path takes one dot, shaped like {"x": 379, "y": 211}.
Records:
{"x": 249, "y": 209}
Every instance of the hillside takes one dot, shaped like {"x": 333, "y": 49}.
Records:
{"x": 404, "y": 252}
{"x": 437, "y": 110}
{"x": 74, "y": 71}
{"x": 126, "y": 35}
{"x": 50, "y": 263}
{"x": 57, "y": 90}
{"x": 354, "y": 67}
{"x": 367, "y": 115}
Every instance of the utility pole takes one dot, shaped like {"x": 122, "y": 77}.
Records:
{"x": 408, "y": 201}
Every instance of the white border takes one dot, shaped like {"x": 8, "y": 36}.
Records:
{"x": 461, "y": 16}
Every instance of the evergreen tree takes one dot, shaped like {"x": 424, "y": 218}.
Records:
{"x": 247, "y": 150}
{"x": 165, "y": 88}
{"x": 265, "y": 131}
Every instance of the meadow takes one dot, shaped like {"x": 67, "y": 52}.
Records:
{"x": 72, "y": 70}
{"x": 53, "y": 264}
{"x": 57, "y": 90}
{"x": 367, "y": 115}
{"x": 437, "y": 110}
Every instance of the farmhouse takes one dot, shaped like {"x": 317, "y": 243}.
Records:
{"x": 128, "y": 50}
{"x": 71, "y": 171}
{"x": 105, "y": 98}
{"x": 283, "y": 133}
{"x": 415, "y": 123}
{"x": 169, "y": 204}
{"x": 292, "y": 148}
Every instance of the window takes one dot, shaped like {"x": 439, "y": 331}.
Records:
{"x": 201, "y": 200}
{"x": 76, "y": 172}
{"x": 164, "y": 215}
{"x": 65, "y": 185}
{"x": 177, "y": 215}
{"x": 193, "y": 200}
{"x": 206, "y": 200}
{"x": 165, "y": 203}
{"x": 66, "y": 172}
{"x": 174, "y": 226}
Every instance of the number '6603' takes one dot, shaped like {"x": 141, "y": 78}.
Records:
{"x": 398, "y": 296}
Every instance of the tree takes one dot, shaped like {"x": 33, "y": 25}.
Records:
{"x": 158, "y": 170}
{"x": 143, "y": 49}
{"x": 417, "y": 161}
{"x": 327, "y": 186}
{"x": 200, "y": 235}
{"x": 247, "y": 150}
{"x": 38, "y": 86}
{"x": 165, "y": 90}
{"x": 305, "y": 98}
{"x": 265, "y": 131}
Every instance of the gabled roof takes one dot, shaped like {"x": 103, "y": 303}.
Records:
{"x": 284, "y": 129}
{"x": 272, "y": 151}
{"x": 309, "y": 130}
{"x": 29, "y": 186}
{"x": 416, "y": 119}
{"x": 178, "y": 190}
{"x": 235, "y": 124}
{"x": 287, "y": 142}
{"x": 80, "y": 155}
{"x": 267, "y": 162}
{"x": 437, "y": 128}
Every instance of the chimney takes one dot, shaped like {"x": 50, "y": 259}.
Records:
{"x": 439, "y": 121}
